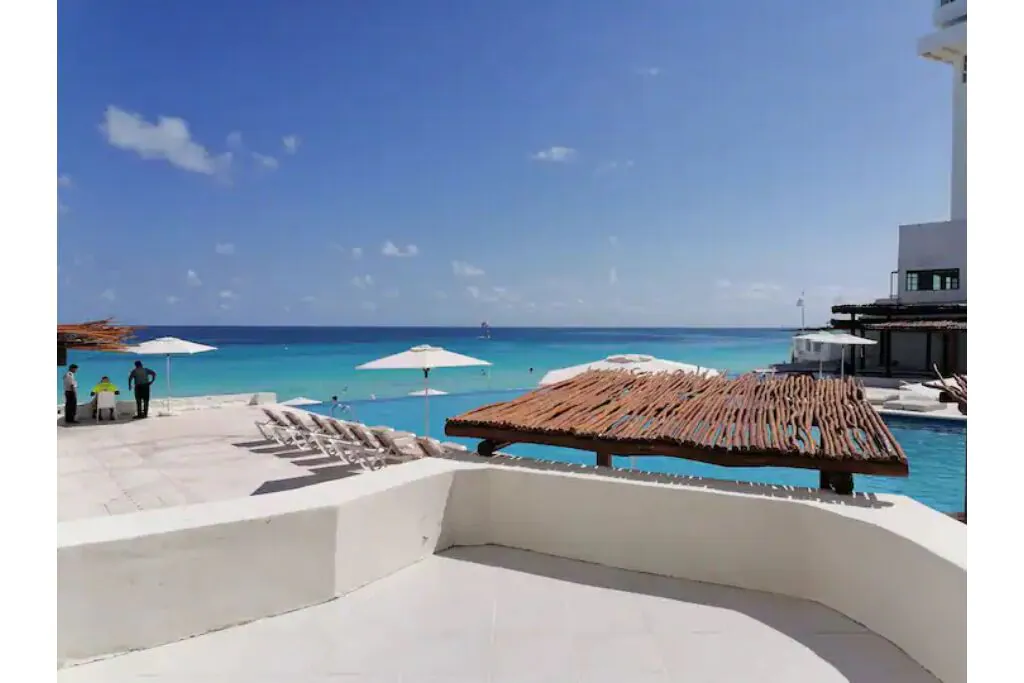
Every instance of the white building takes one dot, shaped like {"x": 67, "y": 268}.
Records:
{"x": 932, "y": 263}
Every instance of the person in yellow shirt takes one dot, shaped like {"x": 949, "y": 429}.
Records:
{"x": 104, "y": 385}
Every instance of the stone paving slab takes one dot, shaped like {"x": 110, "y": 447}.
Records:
{"x": 500, "y": 615}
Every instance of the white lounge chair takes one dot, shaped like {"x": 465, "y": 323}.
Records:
{"x": 278, "y": 429}
{"x": 399, "y": 446}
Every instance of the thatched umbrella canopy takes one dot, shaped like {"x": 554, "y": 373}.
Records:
{"x": 96, "y": 335}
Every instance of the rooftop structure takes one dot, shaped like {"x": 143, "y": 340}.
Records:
{"x": 826, "y": 425}
{"x": 448, "y": 569}
{"x": 97, "y": 335}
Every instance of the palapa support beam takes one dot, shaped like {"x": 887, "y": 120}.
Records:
{"x": 488, "y": 447}
{"x": 825, "y": 425}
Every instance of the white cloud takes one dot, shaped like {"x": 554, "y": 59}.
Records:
{"x": 192, "y": 279}
{"x": 362, "y": 281}
{"x": 391, "y": 249}
{"x": 308, "y": 299}
{"x": 440, "y": 295}
{"x": 62, "y": 207}
{"x": 108, "y": 294}
{"x": 474, "y": 291}
{"x": 391, "y": 293}
{"x": 610, "y": 166}
{"x": 357, "y": 252}
{"x": 613, "y": 276}
{"x": 226, "y": 294}
{"x": 649, "y": 71}
{"x": 463, "y": 269}
{"x": 723, "y": 284}
{"x": 368, "y": 306}
{"x": 64, "y": 180}
{"x": 225, "y": 249}
{"x": 265, "y": 161}
{"x": 224, "y": 306}
{"x": 168, "y": 139}
{"x": 234, "y": 139}
{"x": 558, "y": 155}
{"x": 291, "y": 143}
{"x": 171, "y": 300}
{"x": 613, "y": 240}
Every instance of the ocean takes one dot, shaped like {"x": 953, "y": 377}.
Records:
{"x": 320, "y": 362}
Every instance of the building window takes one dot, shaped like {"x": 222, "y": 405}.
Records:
{"x": 932, "y": 280}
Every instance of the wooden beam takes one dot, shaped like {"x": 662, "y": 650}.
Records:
{"x": 733, "y": 458}
{"x": 604, "y": 459}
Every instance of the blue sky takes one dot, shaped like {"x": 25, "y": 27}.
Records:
{"x": 548, "y": 162}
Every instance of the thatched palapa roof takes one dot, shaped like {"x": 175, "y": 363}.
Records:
{"x": 751, "y": 421}
{"x": 97, "y": 335}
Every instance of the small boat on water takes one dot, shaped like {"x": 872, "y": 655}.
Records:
{"x": 485, "y": 330}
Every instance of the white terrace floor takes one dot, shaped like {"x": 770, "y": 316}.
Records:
{"x": 491, "y": 614}
{"x": 114, "y": 468}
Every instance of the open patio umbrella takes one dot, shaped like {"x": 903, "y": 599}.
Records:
{"x": 837, "y": 339}
{"x": 428, "y": 392}
{"x": 424, "y": 358}
{"x": 627, "y": 361}
{"x": 168, "y": 346}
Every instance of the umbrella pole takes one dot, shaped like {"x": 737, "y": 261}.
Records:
{"x": 168, "y": 384}
{"x": 426, "y": 401}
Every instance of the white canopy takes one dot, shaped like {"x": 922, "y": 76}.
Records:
{"x": 300, "y": 401}
{"x": 840, "y": 338}
{"x": 168, "y": 346}
{"x": 424, "y": 358}
{"x": 428, "y": 392}
{"x": 627, "y": 361}
{"x": 837, "y": 338}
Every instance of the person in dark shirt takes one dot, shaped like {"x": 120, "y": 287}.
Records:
{"x": 142, "y": 378}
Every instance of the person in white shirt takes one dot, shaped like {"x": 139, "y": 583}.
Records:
{"x": 70, "y": 395}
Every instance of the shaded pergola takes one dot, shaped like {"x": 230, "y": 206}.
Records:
{"x": 792, "y": 421}
{"x": 97, "y": 335}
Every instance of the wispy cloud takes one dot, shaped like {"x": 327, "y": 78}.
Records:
{"x": 171, "y": 300}
{"x": 463, "y": 269}
{"x": 557, "y": 155}
{"x": 613, "y": 276}
{"x": 368, "y": 306}
{"x": 649, "y": 71}
{"x": 357, "y": 252}
{"x": 308, "y": 299}
{"x": 291, "y": 143}
{"x": 362, "y": 281}
{"x": 390, "y": 293}
{"x": 723, "y": 283}
{"x": 391, "y": 249}
{"x": 606, "y": 167}
{"x": 226, "y": 294}
{"x": 192, "y": 279}
{"x": 108, "y": 294}
{"x": 168, "y": 139}
{"x": 64, "y": 180}
{"x": 265, "y": 161}
{"x": 613, "y": 241}
{"x": 225, "y": 249}
{"x": 234, "y": 140}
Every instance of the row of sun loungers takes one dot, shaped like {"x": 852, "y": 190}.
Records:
{"x": 350, "y": 442}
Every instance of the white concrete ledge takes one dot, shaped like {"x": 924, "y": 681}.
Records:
{"x": 141, "y": 580}
{"x": 126, "y": 403}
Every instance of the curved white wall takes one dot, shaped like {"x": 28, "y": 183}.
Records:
{"x": 141, "y": 580}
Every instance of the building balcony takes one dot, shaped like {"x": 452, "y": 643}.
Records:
{"x": 946, "y": 45}
{"x": 948, "y": 12}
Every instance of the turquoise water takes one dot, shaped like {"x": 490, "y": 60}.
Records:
{"x": 320, "y": 362}
{"x": 936, "y": 450}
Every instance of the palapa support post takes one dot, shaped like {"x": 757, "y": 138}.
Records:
{"x": 488, "y": 447}
{"x": 837, "y": 482}
{"x": 604, "y": 459}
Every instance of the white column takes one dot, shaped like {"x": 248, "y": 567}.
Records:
{"x": 958, "y": 180}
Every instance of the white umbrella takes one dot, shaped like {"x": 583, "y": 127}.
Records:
{"x": 424, "y": 358}
{"x": 838, "y": 338}
{"x": 168, "y": 346}
{"x": 300, "y": 401}
{"x": 428, "y": 392}
{"x": 628, "y": 361}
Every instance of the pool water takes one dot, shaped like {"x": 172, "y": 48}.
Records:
{"x": 936, "y": 449}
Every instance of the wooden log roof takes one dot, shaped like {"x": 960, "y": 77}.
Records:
{"x": 919, "y": 325}
{"x": 900, "y": 309}
{"x": 97, "y": 335}
{"x": 747, "y": 422}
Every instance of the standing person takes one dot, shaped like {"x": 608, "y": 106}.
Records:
{"x": 142, "y": 378}
{"x": 70, "y": 395}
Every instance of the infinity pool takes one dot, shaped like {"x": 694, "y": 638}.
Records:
{"x": 936, "y": 449}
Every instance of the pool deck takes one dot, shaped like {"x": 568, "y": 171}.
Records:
{"x": 488, "y": 613}
{"x": 112, "y": 468}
